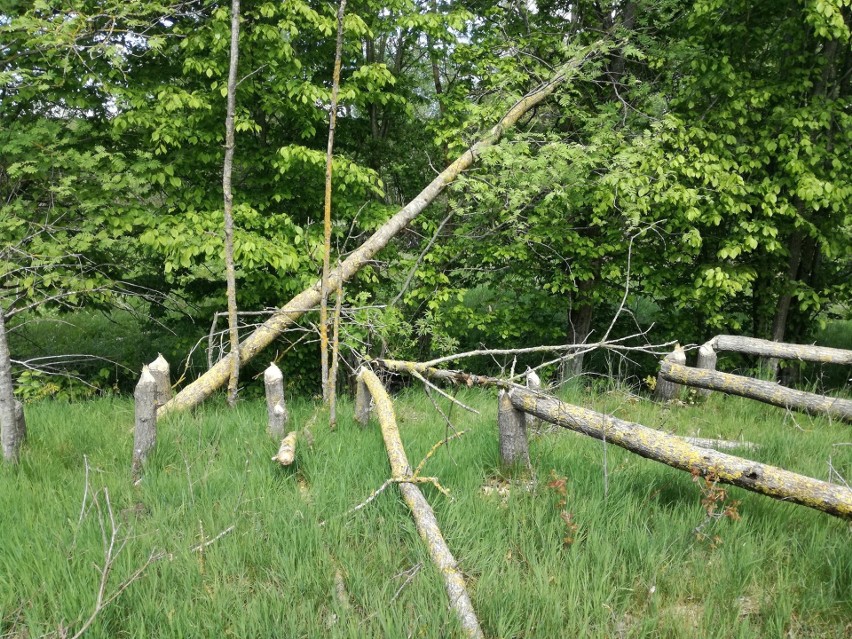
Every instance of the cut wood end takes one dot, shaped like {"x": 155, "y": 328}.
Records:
{"x": 287, "y": 451}
{"x": 146, "y": 376}
{"x": 272, "y": 373}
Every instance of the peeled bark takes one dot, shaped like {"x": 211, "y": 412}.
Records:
{"x": 206, "y": 385}
{"x": 12, "y": 432}
{"x": 512, "y": 427}
{"x": 676, "y": 452}
{"x": 276, "y": 409}
{"x": 766, "y": 392}
{"x": 533, "y": 383}
{"x": 666, "y": 390}
{"x": 161, "y": 372}
{"x": 145, "y": 433}
{"x": 767, "y": 348}
{"x": 424, "y": 516}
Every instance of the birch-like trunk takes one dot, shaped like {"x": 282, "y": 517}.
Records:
{"x": 227, "y": 169}
{"x": 12, "y": 433}
{"x": 285, "y": 316}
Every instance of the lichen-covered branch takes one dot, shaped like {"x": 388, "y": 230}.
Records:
{"x": 424, "y": 516}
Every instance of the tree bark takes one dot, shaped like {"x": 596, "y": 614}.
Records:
{"x": 666, "y": 390}
{"x": 286, "y": 454}
{"x": 227, "y": 169}
{"x": 145, "y": 432}
{"x": 782, "y": 309}
{"x": 512, "y": 427}
{"x": 206, "y": 385}
{"x": 12, "y": 431}
{"x": 766, "y": 348}
{"x": 706, "y": 360}
{"x": 579, "y": 327}
{"x": 362, "y": 403}
{"x": 326, "y": 253}
{"x": 276, "y": 409}
{"x": 766, "y": 392}
{"x": 677, "y": 453}
{"x": 161, "y": 372}
{"x": 424, "y": 516}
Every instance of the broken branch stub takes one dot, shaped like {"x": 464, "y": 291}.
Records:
{"x": 766, "y": 392}
{"x": 667, "y": 390}
{"x": 199, "y": 390}
{"x": 424, "y": 516}
{"x": 512, "y": 425}
{"x": 276, "y": 408}
{"x": 145, "y": 432}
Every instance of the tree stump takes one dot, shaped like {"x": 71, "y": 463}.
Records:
{"x": 276, "y": 408}
{"x": 512, "y": 425}
{"x": 145, "y": 433}
{"x": 667, "y": 390}
{"x": 161, "y": 372}
{"x": 534, "y": 384}
{"x": 362, "y": 403}
{"x": 706, "y": 360}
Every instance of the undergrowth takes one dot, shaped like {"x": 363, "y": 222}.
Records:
{"x": 594, "y": 543}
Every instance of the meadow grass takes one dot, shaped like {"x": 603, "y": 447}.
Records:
{"x": 635, "y": 567}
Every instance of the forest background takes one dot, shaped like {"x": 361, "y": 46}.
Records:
{"x": 696, "y": 170}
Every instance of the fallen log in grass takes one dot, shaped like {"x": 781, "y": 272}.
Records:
{"x": 424, "y": 516}
{"x": 661, "y": 447}
{"x": 780, "y": 350}
{"x": 767, "y": 392}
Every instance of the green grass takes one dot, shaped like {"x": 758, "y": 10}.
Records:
{"x": 635, "y": 569}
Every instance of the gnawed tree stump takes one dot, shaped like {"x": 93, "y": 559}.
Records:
{"x": 766, "y": 392}
{"x": 534, "y": 384}
{"x": 707, "y": 360}
{"x": 287, "y": 451}
{"x": 362, "y": 403}
{"x": 145, "y": 432}
{"x": 512, "y": 426}
{"x": 276, "y": 408}
{"x": 161, "y": 372}
{"x": 424, "y": 516}
{"x": 678, "y": 453}
{"x": 666, "y": 390}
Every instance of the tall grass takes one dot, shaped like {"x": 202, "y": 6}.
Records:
{"x": 635, "y": 567}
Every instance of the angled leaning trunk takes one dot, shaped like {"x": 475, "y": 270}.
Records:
{"x": 206, "y": 385}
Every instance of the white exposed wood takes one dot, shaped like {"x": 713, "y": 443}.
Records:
{"x": 161, "y": 371}
{"x": 276, "y": 408}
{"x": 533, "y": 383}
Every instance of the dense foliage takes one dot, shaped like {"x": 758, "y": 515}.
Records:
{"x": 700, "y": 164}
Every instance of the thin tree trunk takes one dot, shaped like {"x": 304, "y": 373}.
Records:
{"x": 579, "y": 327}
{"x": 12, "y": 434}
{"x": 782, "y": 309}
{"x": 326, "y": 254}
{"x": 206, "y": 385}
{"x": 227, "y": 169}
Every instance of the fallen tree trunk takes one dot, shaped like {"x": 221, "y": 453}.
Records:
{"x": 676, "y": 452}
{"x": 780, "y": 350}
{"x": 767, "y": 392}
{"x": 671, "y": 450}
{"x": 424, "y": 516}
{"x": 199, "y": 390}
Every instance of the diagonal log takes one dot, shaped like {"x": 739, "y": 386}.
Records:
{"x": 424, "y": 516}
{"x": 766, "y": 392}
{"x": 667, "y": 449}
{"x": 199, "y": 390}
